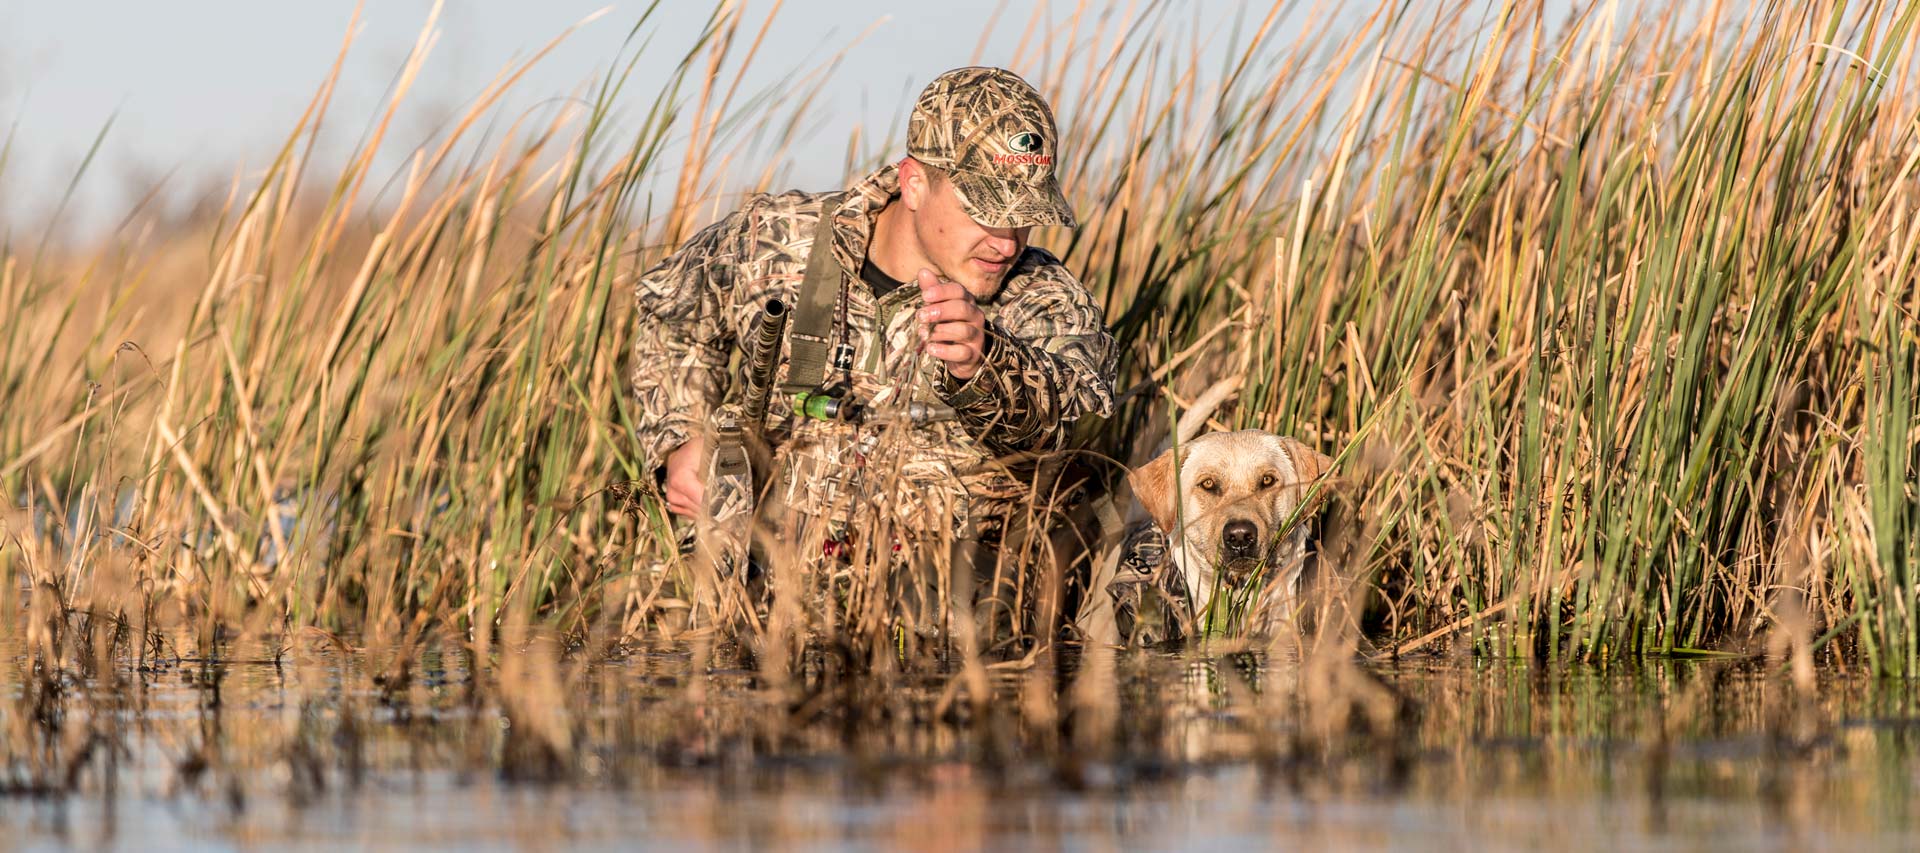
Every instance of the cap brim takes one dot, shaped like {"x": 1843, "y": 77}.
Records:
{"x": 1004, "y": 204}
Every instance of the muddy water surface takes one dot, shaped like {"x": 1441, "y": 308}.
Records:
{"x": 688, "y": 748}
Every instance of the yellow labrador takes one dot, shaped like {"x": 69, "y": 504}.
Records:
{"x": 1222, "y": 505}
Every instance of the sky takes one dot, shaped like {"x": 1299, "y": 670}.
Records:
{"x": 196, "y": 94}
{"x": 198, "y": 91}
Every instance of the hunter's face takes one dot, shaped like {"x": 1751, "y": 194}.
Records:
{"x": 964, "y": 251}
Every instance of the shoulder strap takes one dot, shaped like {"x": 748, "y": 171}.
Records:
{"x": 811, "y": 324}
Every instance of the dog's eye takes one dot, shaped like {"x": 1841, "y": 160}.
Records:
{"x": 1267, "y": 480}
{"x": 1209, "y": 485}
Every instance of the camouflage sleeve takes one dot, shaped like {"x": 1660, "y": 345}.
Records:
{"x": 683, "y": 343}
{"x": 1049, "y": 360}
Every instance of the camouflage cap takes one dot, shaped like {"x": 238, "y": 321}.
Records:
{"x": 994, "y": 137}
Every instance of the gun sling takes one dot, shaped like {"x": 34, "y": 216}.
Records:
{"x": 811, "y": 326}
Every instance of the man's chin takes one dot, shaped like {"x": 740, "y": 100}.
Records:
{"x": 982, "y": 287}
{"x": 983, "y": 283}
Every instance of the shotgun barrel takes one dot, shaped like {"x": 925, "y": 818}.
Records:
{"x": 761, "y": 361}
{"x": 738, "y": 464}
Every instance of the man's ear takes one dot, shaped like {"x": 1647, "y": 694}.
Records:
{"x": 1153, "y": 487}
{"x": 913, "y": 183}
{"x": 1310, "y": 466}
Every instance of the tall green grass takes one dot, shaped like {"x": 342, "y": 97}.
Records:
{"x": 1609, "y": 320}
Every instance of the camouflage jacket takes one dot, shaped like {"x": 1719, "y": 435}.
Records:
{"x": 1049, "y": 360}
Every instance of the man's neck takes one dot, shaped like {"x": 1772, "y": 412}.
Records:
{"x": 892, "y": 248}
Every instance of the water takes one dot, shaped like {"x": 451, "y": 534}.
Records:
{"x": 686, "y": 748}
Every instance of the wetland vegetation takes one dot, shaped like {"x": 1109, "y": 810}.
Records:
{"x": 324, "y": 504}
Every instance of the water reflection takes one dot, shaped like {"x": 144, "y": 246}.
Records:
{"x": 684, "y": 747}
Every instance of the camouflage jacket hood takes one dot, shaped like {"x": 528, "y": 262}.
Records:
{"x": 1049, "y": 361}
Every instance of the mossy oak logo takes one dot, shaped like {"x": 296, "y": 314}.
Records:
{"x": 1025, "y": 146}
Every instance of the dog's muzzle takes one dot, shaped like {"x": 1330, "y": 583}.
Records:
{"x": 1239, "y": 540}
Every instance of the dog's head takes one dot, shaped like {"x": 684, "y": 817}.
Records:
{"x": 1234, "y": 492}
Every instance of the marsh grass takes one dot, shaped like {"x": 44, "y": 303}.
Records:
{"x": 1608, "y": 321}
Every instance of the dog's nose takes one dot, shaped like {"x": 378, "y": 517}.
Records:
{"x": 1239, "y": 537}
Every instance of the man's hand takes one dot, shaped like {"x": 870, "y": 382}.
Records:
{"x": 952, "y": 325}
{"x": 686, "y": 491}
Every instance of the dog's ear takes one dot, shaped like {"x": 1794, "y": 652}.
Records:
{"x": 1153, "y": 487}
{"x": 1310, "y": 466}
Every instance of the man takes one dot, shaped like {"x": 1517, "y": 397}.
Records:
{"x": 941, "y": 318}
